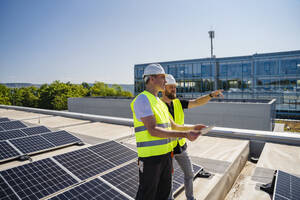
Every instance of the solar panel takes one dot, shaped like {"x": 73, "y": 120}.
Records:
{"x": 12, "y": 125}
{"x": 6, "y": 192}
{"x": 287, "y": 187}
{"x": 1, "y": 129}
{"x": 125, "y": 179}
{"x": 60, "y": 138}
{"x": 35, "y": 130}
{"x": 114, "y": 152}
{"x": 84, "y": 163}
{"x": 7, "y": 151}
{"x": 4, "y": 119}
{"x": 91, "y": 190}
{"x": 6, "y": 135}
{"x": 38, "y": 179}
{"x": 31, "y": 144}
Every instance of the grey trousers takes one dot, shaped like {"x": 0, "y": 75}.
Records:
{"x": 186, "y": 165}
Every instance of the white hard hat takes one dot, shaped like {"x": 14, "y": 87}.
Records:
{"x": 153, "y": 69}
{"x": 170, "y": 80}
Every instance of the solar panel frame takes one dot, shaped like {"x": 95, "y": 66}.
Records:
{"x": 38, "y": 179}
{"x": 114, "y": 152}
{"x": 61, "y": 138}
{"x": 10, "y": 125}
{"x": 11, "y": 134}
{"x": 287, "y": 186}
{"x": 32, "y": 144}
{"x": 94, "y": 189}
{"x": 36, "y": 130}
{"x": 84, "y": 163}
{"x": 7, "y": 152}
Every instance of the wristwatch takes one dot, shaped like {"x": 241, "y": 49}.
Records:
{"x": 211, "y": 95}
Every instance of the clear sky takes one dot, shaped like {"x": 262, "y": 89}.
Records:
{"x": 101, "y": 40}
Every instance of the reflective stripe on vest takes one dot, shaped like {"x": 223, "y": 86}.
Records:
{"x": 148, "y": 145}
{"x": 143, "y": 128}
{"x": 153, "y": 143}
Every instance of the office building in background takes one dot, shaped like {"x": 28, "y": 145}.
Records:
{"x": 258, "y": 76}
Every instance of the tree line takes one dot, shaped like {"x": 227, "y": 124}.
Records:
{"x": 55, "y": 95}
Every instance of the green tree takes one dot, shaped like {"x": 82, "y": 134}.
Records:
{"x": 55, "y": 95}
{"x": 4, "y": 95}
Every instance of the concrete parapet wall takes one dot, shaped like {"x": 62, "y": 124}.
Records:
{"x": 255, "y": 116}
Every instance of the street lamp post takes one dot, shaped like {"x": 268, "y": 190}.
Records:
{"x": 212, "y": 36}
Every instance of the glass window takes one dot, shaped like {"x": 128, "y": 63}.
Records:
{"x": 223, "y": 70}
{"x": 206, "y": 70}
{"x": 197, "y": 69}
{"x": 290, "y": 66}
{"x": 173, "y": 70}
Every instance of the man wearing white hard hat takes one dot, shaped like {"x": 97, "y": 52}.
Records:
{"x": 176, "y": 107}
{"x": 153, "y": 128}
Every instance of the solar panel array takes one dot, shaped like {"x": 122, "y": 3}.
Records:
{"x": 84, "y": 163}
{"x": 91, "y": 190}
{"x": 23, "y": 132}
{"x": 9, "y": 125}
{"x": 6, "y": 135}
{"x": 114, "y": 152}
{"x": 49, "y": 176}
{"x": 287, "y": 187}
{"x": 36, "y": 180}
{"x": 21, "y": 140}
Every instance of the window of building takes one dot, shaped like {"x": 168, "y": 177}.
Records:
{"x": 197, "y": 70}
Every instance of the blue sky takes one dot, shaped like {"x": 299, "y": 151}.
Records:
{"x": 101, "y": 40}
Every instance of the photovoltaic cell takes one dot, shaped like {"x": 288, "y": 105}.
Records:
{"x": 91, "y": 190}
{"x": 6, "y": 135}
{"x": 38, "y": 179}
{"x": 12, "y": 125}
{"x": 1, "y": 129}
{"x": 60, "y": 138}
{"x": 35, "y": 130}
{"x": 84, "y": 163}
{"x": 4, "y": 119}
{"x": 6, "y": 151}
{"x": 114, "y": 152}
{"x": 125, "y": 179}
{"x": 6, "y": 192}
{"x": 31, "y": 144}
{"x": 287, "y": 187}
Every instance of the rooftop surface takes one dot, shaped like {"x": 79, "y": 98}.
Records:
{"x": 227, "y": 158}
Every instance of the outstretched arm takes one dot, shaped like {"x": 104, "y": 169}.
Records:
{"x": 204, "y": 99}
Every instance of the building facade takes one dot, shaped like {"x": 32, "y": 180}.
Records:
{"x": 258, "y": 76}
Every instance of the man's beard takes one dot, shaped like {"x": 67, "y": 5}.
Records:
{"x": 170, "y": 95}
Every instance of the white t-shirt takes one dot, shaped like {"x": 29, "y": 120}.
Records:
{"x": 142, "y": 107}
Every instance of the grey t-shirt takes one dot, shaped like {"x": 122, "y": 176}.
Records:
{"x": 142, "y": 107}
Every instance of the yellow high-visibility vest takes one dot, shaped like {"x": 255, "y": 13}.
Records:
{"x": 179, "y": 119}
{"x": 148, "y": 145}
